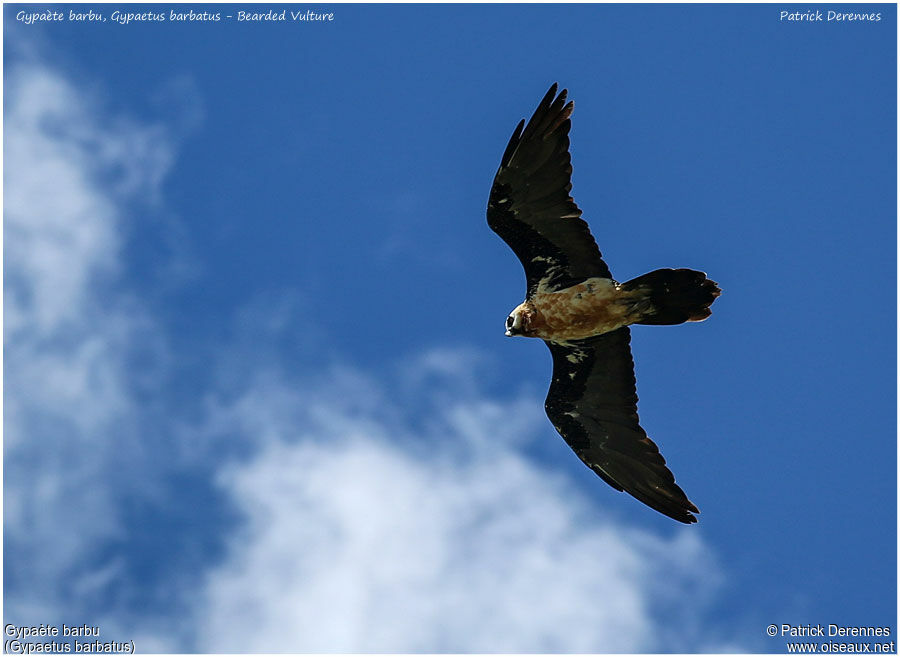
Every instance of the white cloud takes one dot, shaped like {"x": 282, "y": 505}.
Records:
{"x": 69, "y": 432}
{"x": 364, "y": 526}
{"x": 362, "y": 535}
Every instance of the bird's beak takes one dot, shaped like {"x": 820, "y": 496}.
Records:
{"x": 508, "y": 334}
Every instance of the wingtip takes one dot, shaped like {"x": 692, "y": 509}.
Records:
{"x": 688, "y": 512}
{"x": 552, "y": 112}
{"x": 548, "y": 99}
{"x": 681, "y": 512}
{"x": 562, "y": 95}
{"x": 554, "y": 95}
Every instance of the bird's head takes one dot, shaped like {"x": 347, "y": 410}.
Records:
{"x": 519, "y": 320}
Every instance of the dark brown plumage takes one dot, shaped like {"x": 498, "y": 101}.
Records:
{"x": 582, "y": 314}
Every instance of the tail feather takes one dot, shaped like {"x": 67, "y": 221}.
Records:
{"x": 675, "y": 295}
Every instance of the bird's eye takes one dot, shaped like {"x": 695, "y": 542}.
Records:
{"x": 509, "y": 321}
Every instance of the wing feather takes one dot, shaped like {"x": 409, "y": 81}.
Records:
{"x": 592, "y": 402}
{"x": 530, "y": 206}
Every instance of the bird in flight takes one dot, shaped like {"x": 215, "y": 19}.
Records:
{"x": 582, "y": 314}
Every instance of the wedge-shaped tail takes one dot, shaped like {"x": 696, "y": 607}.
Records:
{"x": 675, "y": 295}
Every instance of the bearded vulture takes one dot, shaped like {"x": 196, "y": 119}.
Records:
{"x": 582, "y": 314}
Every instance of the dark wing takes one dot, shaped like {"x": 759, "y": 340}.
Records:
{"x": 530, "y": 206}
{"x": 593, "y": 404}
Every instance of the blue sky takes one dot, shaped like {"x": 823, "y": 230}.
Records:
{"x": 258, "y": 395}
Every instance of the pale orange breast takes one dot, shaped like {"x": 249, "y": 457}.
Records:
{"x": 590, "y": 308}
